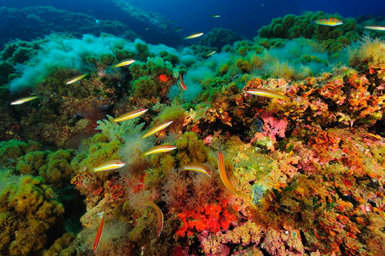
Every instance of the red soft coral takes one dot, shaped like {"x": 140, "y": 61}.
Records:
{"x": 210, "y": 217}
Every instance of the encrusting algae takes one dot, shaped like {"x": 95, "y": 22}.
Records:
{"x": 193, "y": 162}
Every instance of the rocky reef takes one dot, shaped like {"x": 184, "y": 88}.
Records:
{"x": 219, "y": 37}
{"x": 123, "y": 19}
{"x": 30, "y": 215}
{"x": 301, "y": 172}
{"x": 34, "y": 22}
{"x": 293, "y": 26}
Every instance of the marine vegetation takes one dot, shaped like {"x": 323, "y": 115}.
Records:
{"x": 332, "y": 38}
{"x": 270, "y": 146}
{"x": 30, "y": 215}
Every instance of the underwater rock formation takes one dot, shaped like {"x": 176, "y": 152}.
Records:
{"x": 30, "y": 215}
{"x": 153, "y": 19}
{"x": 28, "y": 158}
{"x": 291, "y": 26}
{"x": 122, "y": 19}
{"x": 34, "y": 22}
{"x": 298, "y": 172}
{"x": 369, "y": 57}
{"x": 16, "y": 52}
{"x": 53, "y": 167}
{"x": 76, "y": 108}
{"x": 11, "y": 150}
{"x": 219, "y": 37}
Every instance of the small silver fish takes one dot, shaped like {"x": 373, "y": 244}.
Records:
{"x": 23, "y": 100}
{"x": 159, "y": 149}
{"x": 124, "y": 63}
{"x": 211, "y": 53}
{"x": 75, "y": 79}
{"x": 110, "y": 165}
{"x": 194, "y": 36}
{"x": 377, "y": 28}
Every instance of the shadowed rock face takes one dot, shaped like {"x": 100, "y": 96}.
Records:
{"x": 110, "y": 16}
{"x": 219, "y": 37}
{"x": 34, "y": 22}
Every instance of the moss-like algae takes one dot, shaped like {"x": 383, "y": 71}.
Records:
{"x": 28, "y": 211}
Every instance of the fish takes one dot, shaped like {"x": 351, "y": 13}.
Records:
{"x": 194, "y": 35}
{"x": 197, "y": 168}
{"x": 159, "y": 149}
{"x": 223, "y": 175}
{"x": 130, "y": 115}
{"x": 110, "y": 165}
{"x": 124, "y": 63}
{"x": 215, "y": 16}
{"x": 177, "y": 29}
{"x": 157, "y": 129}
{"x": 211, "y": 53}
{"x": 182, "y": 84}
{"x": 160, "y": 217}
{"x": 24, "y": 100}
{"x": 98, "y": 235}
{"x": 75, "y": 79}
{"x": 377, "y": 28}
{"x": 267, "y": 93}
{"x": 332, "y": 22}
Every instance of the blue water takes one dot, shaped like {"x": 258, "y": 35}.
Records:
{"x": 244, "y": 17}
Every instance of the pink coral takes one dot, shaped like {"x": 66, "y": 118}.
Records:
{"x": 283, "y": 243}
{"x": 272, "y": 126}
{"x": 248, "y": 233}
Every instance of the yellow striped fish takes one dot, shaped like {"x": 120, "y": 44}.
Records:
{"x": 197, "y": 168}
{"x": 75, "y": 79}
{"x": 211, "y": 53}
{"x": 157, "y": 129}
{"x": 331, "y": 22}
{"x": 223, "y": 175}
{"x": 194, "y": 36}
{"x": 124, "y": 63}
{"x": 377, "y": 28}
{"x": 159, "y": 149}
{"x": 108, "y": 166}
{"x": 130, "y": 115}
{"x": 267, "y": 93}
{"x": 160, "y": 217}
{"x": 23, "y": 100}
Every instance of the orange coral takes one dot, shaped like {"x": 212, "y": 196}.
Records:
{"x": 211, "y": 217}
